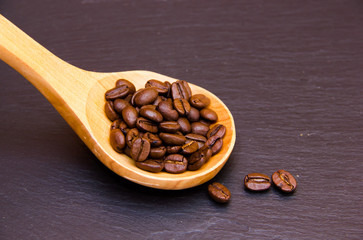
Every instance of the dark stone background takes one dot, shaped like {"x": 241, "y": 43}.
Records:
{"x": 289, "y": 71}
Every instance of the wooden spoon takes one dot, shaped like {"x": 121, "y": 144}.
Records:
{"x": 78, "y": 95}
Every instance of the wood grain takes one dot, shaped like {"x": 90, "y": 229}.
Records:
{"x": 289, "y": 71}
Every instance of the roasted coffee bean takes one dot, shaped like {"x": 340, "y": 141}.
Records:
{"x": 146, "y": 96}
{"x": 119, "y": 105}
{"x": 182, "y": 106}
{"x": 178, "y": 90}
{"x": 168, "y": 84}
{"x": 132, "y": 100}
{"x": 153, "y": 107}
{"x": 284, "y": 181}
{"x": 199, "y": 128}
{"x": 157, "y": 152}
{"x": 154, "y": 140}
{"x": 146, "y": 125}
{"x": 217, "y": 130}
{"x": 215, "y": 144}
{"x": 169, "y": 126}
{"x": 128, "y": 98}
{"x": 158, "y": 100}
{"x": 123, "y": 127}
{"x": 205, "y": 122}
{"x": 166, "y": 109}
{"x": 161, "y": 87}
{"x": 110, "y": 112}
{"x": 198, "y": 158}
{"x": 117, "y": 92}
{"x": 131, "y": 136}
{"x": 115, "y": 124}
{"x": 129, "y": 115}
{"x": 187, "y": 87}
{"x": 200, "y": 139}
{"x": 173, "y": 149}
{"x": 151, "y": 165}
{"x": 257, "y": 182}
{"x": 140, "y": 149}
{"x": 127, "y": 151}
{"x": 151, "y": 114}
{"x": 193, "y": 115}
{"x": 129, "y": 84}
{"x": 175, "y": 163}
{"x": 189, "y": 147}
{"x": 172, "y": 139}
{"x": 219, "y": 193}
{"x": 117, "y": 140}
{"x": 209, "y": 114}
{"x": 185, "y": 126}
{"x": 199, "y": 101}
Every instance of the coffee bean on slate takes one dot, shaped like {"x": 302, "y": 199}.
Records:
{"x": 209, "y": 114}
{"x": 199, "y": 158}
{"x": 193, "y": 115}
{"x": 146, "y": 125}
{"x": 178, "y": 90}
{"x": 219, "y": 192}
{"x": 151, "y": 114}
{"x": 154, "y": 140}
{"x": 199, "y": 101}
{"x": 217, "y": 130}
{"x": 172, "y": 139}
{"x": 173, "y": 149}
{"x": 185, "y": 126}
{"x": 200, "y": 139}
{"x": 131, "y": 136}
{"x": 199, "y": 128}
{"x": 182, "y": 106}
{"x": 115, "y": 124}
{"x": 161, "y": 87}
{"x": 157, "y": 152}
{"x": 284, "y": 181}
{"x": 117, "y": 140}
{"x": 175, "y": 163}
{"x": 189, "y": 147}
{"x": 110, "y": 112}
{"x": 151, "y": 165}
{"x": 146, "y": 96}
{"x": 140, "y": 149}
{"x": 117, "y": 92}
{"x": 215, "y": 144}
{"x": 119, "y": 105}
{"x": 257, "y": 182}
{"x": 129, "y": 84}
{"x": 169, "y": 126}
{"x": 129, "y": 115}
{"x": 166, "y": 109}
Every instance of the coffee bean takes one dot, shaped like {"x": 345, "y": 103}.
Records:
{"x": 185, "y": 126}
{"x": 193, "y": 115}
{"x": 110, "y": 112}
{"x": 168, "y": 94}
{"x": 151, "y": 114}
{"x": 169, "y": 126}
{"x": 129, "y": 114}
{"x": 146, "y": 96}
{"x": 217, "y": 130}
{"x": 219, "y": 193}
{"x": 154, "y": 140}
{"x": 189, "y": 147}
{"x": 172, "y": 139}
{"x": 199, "y": 101}
{"x": 167, "y": 111}
{"x": 200, "y": 139}
{"x": 198, "y": 158}
{"x": 151, "y": 165}
{"x": 123, "y": 127}
{"x": 115, "y": 124}
{"x": 199, "y": 128}
{"x": 150, "y": 106}
{"x": 257, "y": 182}
{"x": 215, "y": 144}
{"x": 173, "y": 149}
{"x": 161, "y": 87}
{"x": 140, "y": 149}
{"x": 146, "y": 125}
{"x": 119, "y": 105}
{"x": 209, "y": 114}
{"x": 127, "y": 151}
{"x": 132, "y": 100}
{"x": 178, "y": 90}
{"x": 131, "y": 136}
{"x": 284, "y": 181}
{"x": 175, "y": 163}
{"x": 187, "y": 87}
{"x": 182, "y": 106}
{"x": 129, "y": 84}
{"x": 117, "y": 140}
{"x": 117, "y": 92}
{"x": 158, "y": 100}
{"x": 157, "y": 152}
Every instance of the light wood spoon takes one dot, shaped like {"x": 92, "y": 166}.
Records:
{"x": 78, "y": 95}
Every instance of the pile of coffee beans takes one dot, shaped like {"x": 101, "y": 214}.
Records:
{"x": 163, "y": 126}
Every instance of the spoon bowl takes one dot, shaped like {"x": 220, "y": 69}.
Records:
{"x": 78, "y": 95}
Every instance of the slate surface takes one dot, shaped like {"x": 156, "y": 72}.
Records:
{"x": 289, "y": 71}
